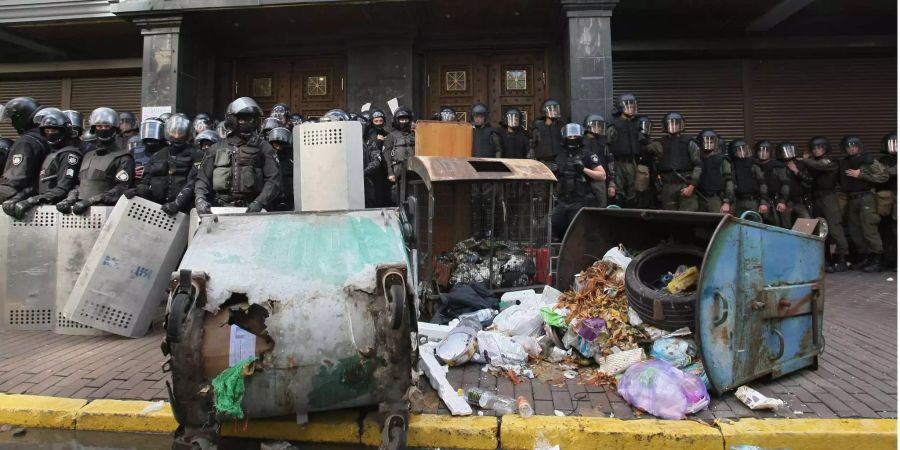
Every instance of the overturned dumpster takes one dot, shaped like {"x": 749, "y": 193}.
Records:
{"x": 759, "y": 303}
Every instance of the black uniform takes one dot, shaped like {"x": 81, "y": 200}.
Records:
{"x": 573, "y": 186}
{"x": 596, "y": 145}
{"x": 750, "y": 187}
{"x": 59, "y": 174}
{"x": 285, "y": 156}
{"x": 238, "y": 172}
{"x": 862, "y": 216}
{"x": 546, "y": 140}
{"x": 887, "y": 195}
{"x": 21, "y": 174}
{"x": 485, "y": 142}
{"x": 168, "y": 173}
{"x": 624, "y": 139}
{"x": 377, "y": 188}
{"x": 106, "y": 173}
{"x": 399, "y": 146}
{"x": 515, "y": 144}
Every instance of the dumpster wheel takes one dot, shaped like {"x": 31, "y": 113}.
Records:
{"x": 393, "y": 434}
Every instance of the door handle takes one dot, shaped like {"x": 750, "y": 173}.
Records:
{"x": 780, "y": 345}
{"x": 723, "y": 305}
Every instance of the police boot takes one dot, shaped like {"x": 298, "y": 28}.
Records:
{"x": 840, "y": 263}
{"x": 874, "y": 265}
{"x": 860, "y": 264}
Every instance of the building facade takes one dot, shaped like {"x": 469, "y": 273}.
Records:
{"x": 768, "y": 69}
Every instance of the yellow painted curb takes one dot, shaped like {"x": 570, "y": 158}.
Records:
{"x": 39, "y": 412}
{"x": 803, "y": 434}
{"x": 125, "y": 415}
{"x": 573, "y": 433}
{"x": 431, "y": 430}
{"x": 338, "y": 427}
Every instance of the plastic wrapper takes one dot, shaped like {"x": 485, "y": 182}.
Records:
{"x": 591, "y": 328}
{"x": 698, "y": 371}
{"x": 530, "y": 344}
{"x": 553, "y": 318}
{"x": 684, "y": 281}
{"x": 755, "y": 400}
{"x": 676, "y": 351}
{"x": 661, "y": 389}
{"x": 617, "y": 363}
{"x": 500, "y": 350}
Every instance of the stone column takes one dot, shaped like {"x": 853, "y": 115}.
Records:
{"x": 589, "y": 57}
{"x": 162, "y": 54}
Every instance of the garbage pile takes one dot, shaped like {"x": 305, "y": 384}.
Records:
{"x": 589, "y": 334}
{"x": 501, "y": 263}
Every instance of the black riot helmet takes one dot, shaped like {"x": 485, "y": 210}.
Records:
{"x": 133, "y": 143}
{"x": 889, "y": 144}
{"x": 178, "y": 130}
{"x": 852, "y": 145}
{"x": 295, "y": 119}
{"x": 280, "y": 111}
{"x": 480, "y": 109}
{"x": 280, "y": 136}
{"x": 20, "y": 112}
{"x": 104, "y": 124}
{"x": 40, "y": 113}
{"x": 206, "y": 139}
{"x": 595, "y": 123}
{"x": 367, "y": 114}
{"x": 645, "y": 125}
{"x": 335, "y": 115}
{"x": 164, "y": 116}
{"x": 77, "y": 121}
{"x": 153, "y": 131}
{"x": 403, "y": 118}
{"x": 740, "y": 149}
{"x": 551, "y": 109}
{"x": 673, "y": 123}
{"x": 572, "y": 134}
{"x": 627, "y": 104}
{"x": 127, "y": 118}
{"x": 512, "y": 118}
{"x": 763, "y": 150}
{"x": 448, "y": 114}
{"x": 819, "y": 146}
{"x": 269, "y": 124}
{"x": 353, "y": 116}
{"x": 709, "y": 140}
{"x": 55, "y": 127}
{"x": 201, "y": 123}
{"x": 243, "y": 116}
{"x": 786, "y": 151}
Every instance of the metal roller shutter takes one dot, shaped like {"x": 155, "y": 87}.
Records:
{"x": 709, "y": 93}
{"x": 46, "y": 92}
{"x": 119, "y": 93}
{"x": 797, "y": 99}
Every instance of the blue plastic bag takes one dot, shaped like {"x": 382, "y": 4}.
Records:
{"x": 676, "y": 351}
{"x": 661, "y": 389}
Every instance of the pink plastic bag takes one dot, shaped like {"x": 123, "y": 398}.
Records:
{"x": 661, "y": 389}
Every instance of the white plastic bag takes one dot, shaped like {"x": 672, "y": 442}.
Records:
{"x": 500, "y": 350}
{"x": 530, "y": 344}
{"x": 755, "y": 400}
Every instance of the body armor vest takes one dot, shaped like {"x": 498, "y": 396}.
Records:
{"x": 481, "y": 142}
{"x": 97, "y": 174}
{"x": 851, "y": 185}
{"x": 745, "y": 182}
{"x": 628, "y": 138}
{"x": 237, "y": 171}
{"x": 712, "y": 179}
{"x": 676, "y": 155}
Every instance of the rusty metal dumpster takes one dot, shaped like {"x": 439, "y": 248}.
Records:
{"x": 760, "y": 296}
{"x": 320, "y": 299}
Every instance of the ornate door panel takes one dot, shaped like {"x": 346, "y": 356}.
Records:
{"x": 267, "y": 82}
{"x": 517, "y": 80}
{"x": 318, "y": 85}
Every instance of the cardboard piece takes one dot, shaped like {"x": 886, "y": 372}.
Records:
{"x": 436, "y": 138}
{"x": 217, "y": 343}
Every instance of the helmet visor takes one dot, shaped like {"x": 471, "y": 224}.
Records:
{"x": 764, "y": 153}
{"x": 742, "y": 151}
{"x": 597, "y": 127}
{"x": 178, "y": 129}
{"x": 788, "y": 151}
{"x": 572, "y": 130}
{"x": 852, "y": 148}
{"x": 552, "y": 111}
{"x": 892, "y": 146}
{"x": 646, "y": 127}
{"x": 448, "y": 116}
{"x": 675, "y": 125}
{"x": 710, "y": 143}
{"x": 629, "y": 107}
{"x": 512, "y": 120}
{"x": 152, "y": 129}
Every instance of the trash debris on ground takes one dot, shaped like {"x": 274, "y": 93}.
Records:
{"x": 675, "y": 351}
{"x": 429, "y": 364}
{"x": 683, "y": 280}
{"x": 155, "y": 406}
{"x": 276, "y": 445}
{"x": 755, "y": 400}
{"x": 656, "y": 333}
{"x": 459, "y": 346}
{"x": 5, "y": 427}
{"x": 489, "y": 400}
{"x": 516, "y": 297}
{"x": 17, "y": 432}
{"x": 698, "y": 371}
{"x": 501, "y": 263}
{"x": 228, "y": 387}
{"x": 464, "y": 298}
{"x": 661, "y": 389}
{"x": 524, "y": 408}
{"x": 617, "y": 363}
{"x": 541, "y": 443}
{"x": 500, "y": 350}
{"x": 433, "y": 332}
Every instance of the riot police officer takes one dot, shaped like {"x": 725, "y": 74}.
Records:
{"x": 269, "y": 124}
{"x": 575, "y": 167}
{"x": 294, "y": 119}
{"x": 280, "y": 140}
{"x": 513, "y": 138}
{"x": 5, "y": 145}
{"x": 280, "y": 111}
{"x": 485, "y": 139}
{"x": 794, "y": 181}
{"x": 377, "y": 189}
{"x": 106, "y": 172}
{"x": 241, "y": 170}
{"x": 624, "y": 140}
{"x": 595, "y": 144}
{"x": 545, "y": 133}
{"x": 716, "y": 187}
{"x": 887, "y": 200}
{"x": 399, "y": 146}
{"x": 678, "y": 161}
{"x": 20, "y": 175}
{"x": 128, "y": 128}
{"x": 201, "y": 123}
{"x": 206, "y": 139}
{"x": 59, "y": 171}
{"x": 335, "y": 115}
{"x": 447, "y": 114}
{"x": 77, "y": 121}
{"x": 750, "y": 188}
{"x": 824, "y": 173}
{"x": 167, "y": 177}
{"x": 860, "y": 173}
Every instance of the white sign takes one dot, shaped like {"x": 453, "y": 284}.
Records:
{"x": 149, "y": 112}
{"x": 242, "y": 345}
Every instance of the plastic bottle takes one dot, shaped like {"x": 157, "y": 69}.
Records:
{"x": 481, "y": 315}
{"x": 473, "y": 395}
{"x": 525, "y": 409}
{"x": 501, "y": 404}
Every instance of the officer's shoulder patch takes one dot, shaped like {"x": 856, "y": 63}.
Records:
{"x": 17, "y": 160}
{"x": 72, "y": 159}
{"x": 122, "y": 175}
{"x": 595, "y": 159}
{"x": 197, "y": 164}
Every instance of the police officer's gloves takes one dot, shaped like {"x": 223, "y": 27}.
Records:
{"x": 202, "y": 206}
{"x": 81, "y": 206}
{"x": 170, "y": 208}
{"x": 18, "y": 209}
{"x": 9, "y": 208}
{"x": 130, "y": 193}
{"x": 65, "y": 206}
{"x": 254, "y": 207}
{"x": 579, "y": 167}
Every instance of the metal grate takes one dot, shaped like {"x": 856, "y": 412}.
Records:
{"x": 154, "y": 217}
{"x": 93, "y": 221}
{"x": 320, "y": 137}
{"x": 42, "y": 218}
{"x": 63, "y": 322}
{"x": 106, "y": 314}
{"x": 30, "y": 316}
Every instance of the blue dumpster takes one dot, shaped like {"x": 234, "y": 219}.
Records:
{"x": 760, "y": 297}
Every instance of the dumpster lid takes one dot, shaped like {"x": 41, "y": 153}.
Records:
{"x": 435, "y": 169}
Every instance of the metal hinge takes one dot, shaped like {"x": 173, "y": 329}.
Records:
{"x": 235, "y": 88}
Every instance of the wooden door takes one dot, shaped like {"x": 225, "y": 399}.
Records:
{"x": 501, "y": 81}
{"x": 268, "y": 82}
{"x": 318, "y": 85}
